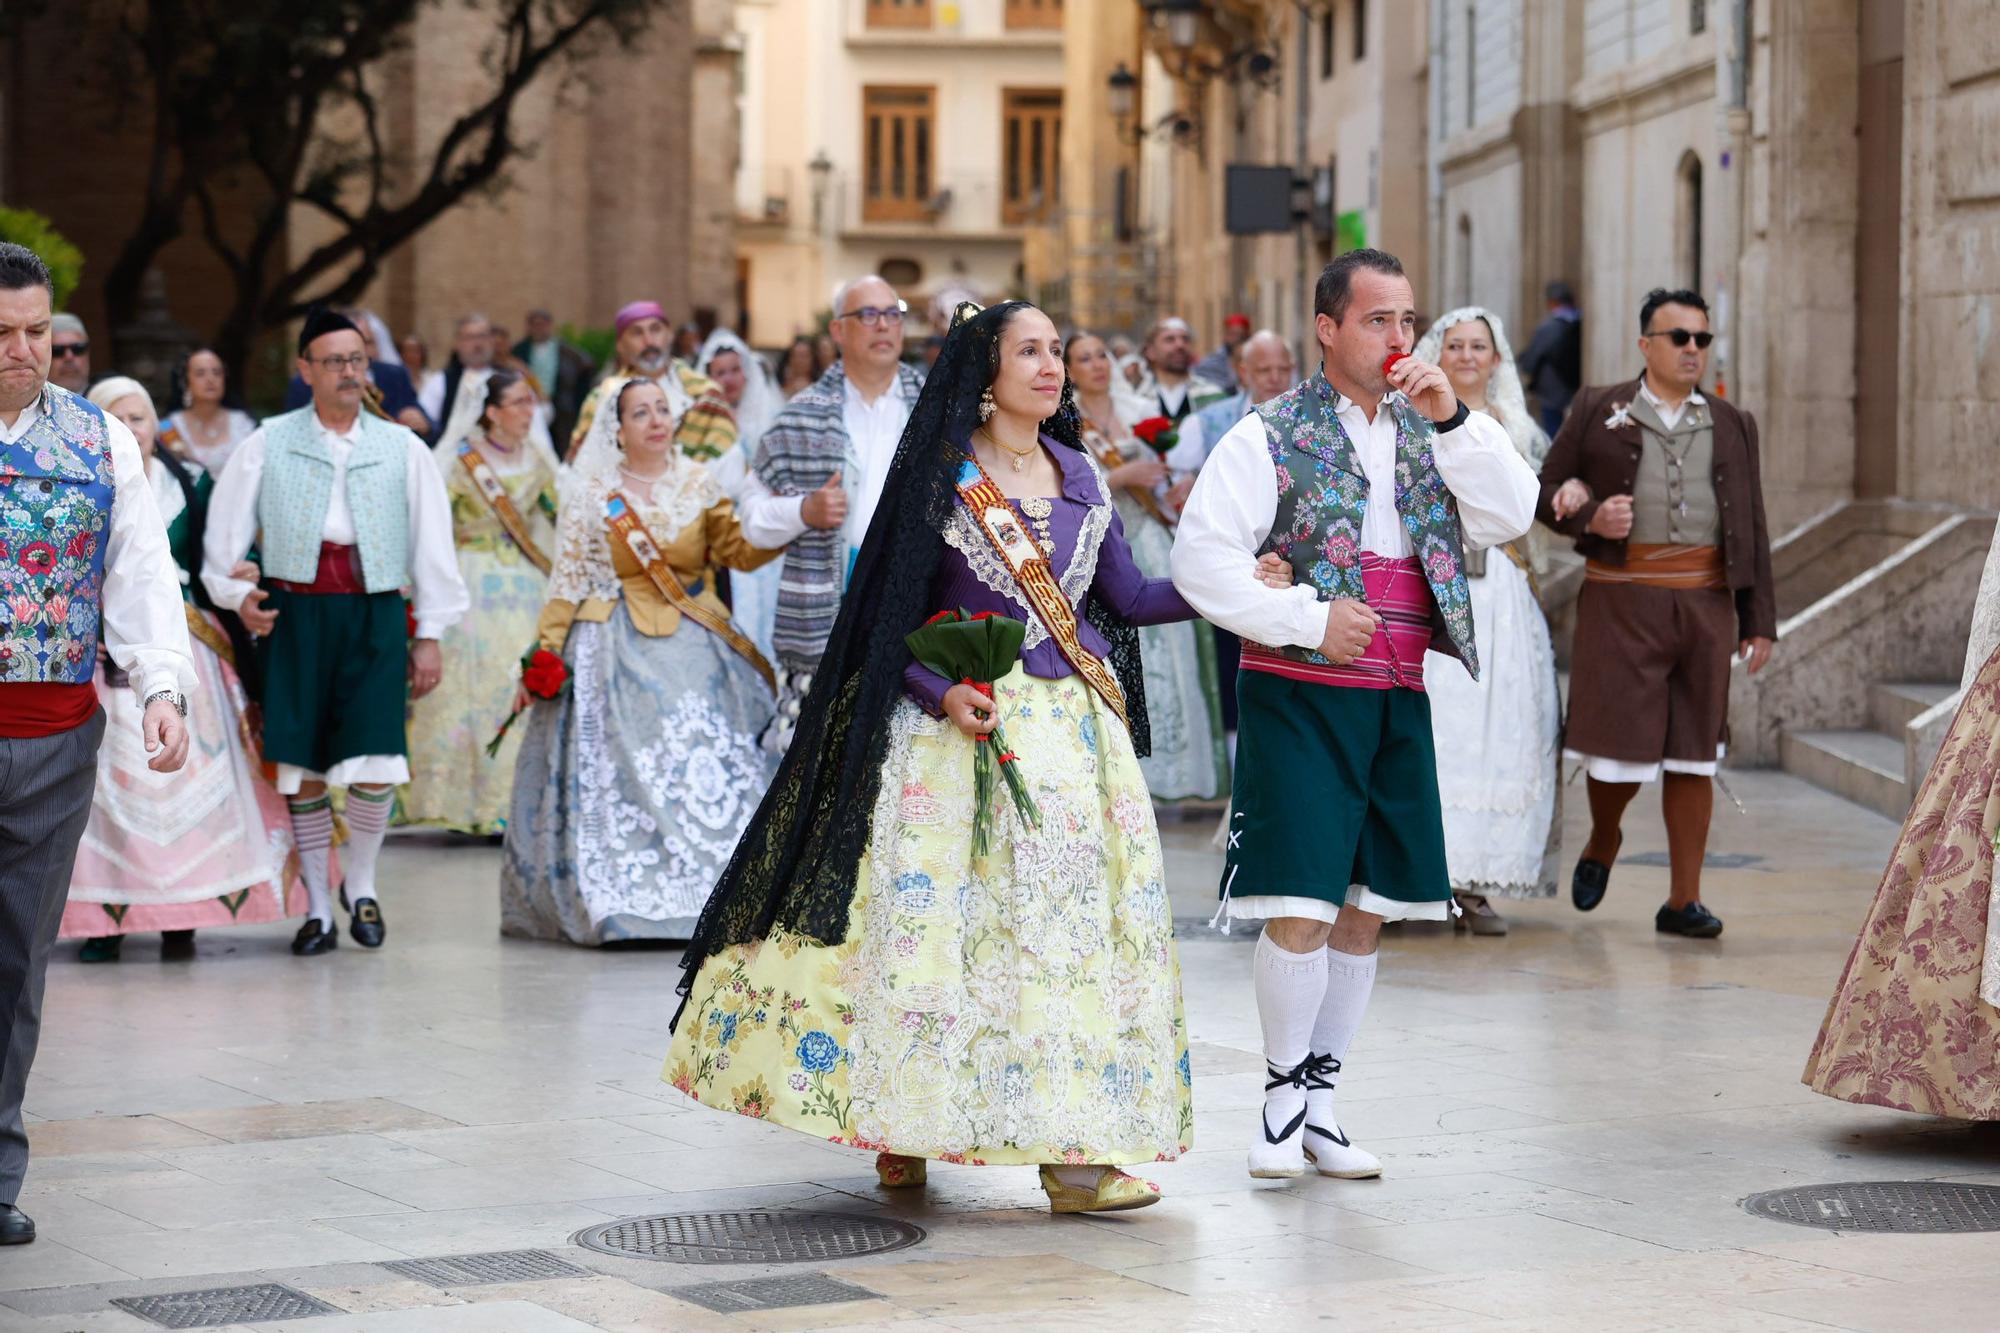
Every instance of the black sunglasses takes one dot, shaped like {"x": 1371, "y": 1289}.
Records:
{"x": 1682, "y": 337}
{"x": 70, "y": 349}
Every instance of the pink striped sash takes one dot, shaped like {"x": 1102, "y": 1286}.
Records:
{"x": 1397, "y": 590}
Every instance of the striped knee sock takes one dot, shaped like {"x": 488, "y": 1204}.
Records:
{"x": 312, "y": 833}
{"x": 367, "y": 822}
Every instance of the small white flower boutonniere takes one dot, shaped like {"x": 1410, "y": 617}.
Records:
{"x": 1621, "y": 416}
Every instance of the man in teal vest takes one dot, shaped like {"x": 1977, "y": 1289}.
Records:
{"x": 1371, "y": 479}
{"x": 348, "y": 510}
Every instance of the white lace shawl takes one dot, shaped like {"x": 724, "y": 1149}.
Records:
{"x": 1504, "y": 398}
{"x": 1985, "y": 617}
{"x": 583, "y": 566}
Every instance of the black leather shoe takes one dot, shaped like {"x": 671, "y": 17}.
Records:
{"x": 313, "y": 938}
{"x": 366, "y": 924}
{"x": 16, "y": 1227}
{"x": 176, "y": 945}
{"x": 1694, "y": 921}
{"x": 1589, "y": 880}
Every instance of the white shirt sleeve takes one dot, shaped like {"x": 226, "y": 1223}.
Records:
{"x": 232, "y": 522}
{"x": 1495, "y": 487}
{"x": 145, "y": 622}
{"x": 1189, "y": 451}
{"x": 1228, "y": 516}
{"x": 430, "y": 399}
{"x": 769, "y": 521}
{"x": 440, "y": 596}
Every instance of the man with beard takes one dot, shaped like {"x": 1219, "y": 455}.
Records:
{"x": 347, "y": 509}
{"x": 705, "y": 428}
{"x": 1170, "y": 387}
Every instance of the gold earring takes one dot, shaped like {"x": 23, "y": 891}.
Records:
{"x": 987, "y": 407}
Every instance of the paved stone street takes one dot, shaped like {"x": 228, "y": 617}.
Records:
{"x": 1569, "y": 1118}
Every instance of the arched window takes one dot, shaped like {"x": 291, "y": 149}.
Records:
{"x": 1688, "y": 220}
{"x": 1463, "y": 285}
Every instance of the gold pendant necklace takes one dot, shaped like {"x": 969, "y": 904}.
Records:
{"x": 1021, "y": 456}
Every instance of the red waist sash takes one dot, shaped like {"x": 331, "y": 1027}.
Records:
{"x": 1399, "y": 592}
{"x": 339, "y": 572}
{"x": 43, "y": 708}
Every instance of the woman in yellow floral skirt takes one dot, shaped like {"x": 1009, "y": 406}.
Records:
{"x": 859, "y": 973}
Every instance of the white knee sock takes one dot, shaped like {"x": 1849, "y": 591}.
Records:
{"x": 1350, "y": 979}
{"x": 312, "y": 834}
{"x": 1290, "y": 987}
{"x": 367, "y": 822}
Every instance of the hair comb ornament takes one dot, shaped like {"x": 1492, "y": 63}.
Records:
{"x": 963, "y": 311}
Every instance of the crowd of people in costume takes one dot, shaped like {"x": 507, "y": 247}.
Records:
{"x": 656, "y": 630}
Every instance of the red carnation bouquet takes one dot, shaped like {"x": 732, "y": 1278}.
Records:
{"x": 544, "y": 675}
{"x": 977, "y": 650}
{"x": 1157, "y": 434}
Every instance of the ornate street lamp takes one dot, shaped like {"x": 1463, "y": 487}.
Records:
{"x": 1181, "y": 18}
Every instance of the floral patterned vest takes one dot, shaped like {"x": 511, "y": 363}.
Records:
{"x": 56, "y": 494}
{"x": 1323, "y": 492}
{"x": 297, "y": 486}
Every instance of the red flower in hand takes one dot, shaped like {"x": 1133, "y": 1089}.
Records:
{"x": 544, "y": 674}
{"x": 1389, "y": 361}
{"x": 942, "y": 615}
{"x": 1151, "y": 429}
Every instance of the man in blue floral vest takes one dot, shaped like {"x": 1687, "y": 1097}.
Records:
{"x": 83, "y": 561}
{"x": 348, "y": 509}
{"x": 1371, "y": 479}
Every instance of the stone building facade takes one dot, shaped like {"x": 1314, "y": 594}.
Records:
{"x": 1331, "y": 91}
{"x": 918, "y": 139}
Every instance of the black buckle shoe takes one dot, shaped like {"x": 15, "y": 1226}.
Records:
{"x": 1694, "y": 921}
{"x": 313, "y": 939}
{"x": 366, "y": 925}
{"x": 16, "y": 1227}
{"x": 1590, "y": 879}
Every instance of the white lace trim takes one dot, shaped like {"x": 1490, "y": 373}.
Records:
{"x": 583, "y": 567}
{"x": 964, "y": 535}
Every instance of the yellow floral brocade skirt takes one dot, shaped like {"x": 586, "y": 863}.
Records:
{"x": 1017, "y": 1008}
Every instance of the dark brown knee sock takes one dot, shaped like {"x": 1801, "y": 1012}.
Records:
{"x": 1607, "y": 808}
{"x": 1688, "y": 800}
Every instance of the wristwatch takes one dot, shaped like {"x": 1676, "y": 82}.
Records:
{"x": 1454, "y": 421}
{"x": 174, "y": 697}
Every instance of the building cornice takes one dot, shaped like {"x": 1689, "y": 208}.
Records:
{"x": 1676, "y": 77}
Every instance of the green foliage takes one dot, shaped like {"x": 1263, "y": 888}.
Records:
{"x": 600, "y": 345}
{"x": 25, "y": 227}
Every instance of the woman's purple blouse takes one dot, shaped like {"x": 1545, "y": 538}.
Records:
{"x": 1115, "y": 581}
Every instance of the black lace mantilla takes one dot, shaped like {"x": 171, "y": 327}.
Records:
{"x": 795, "y": 865}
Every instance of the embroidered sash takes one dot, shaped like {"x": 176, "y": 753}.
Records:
{"x": 1037, "y": 582}
{"x": 200, "y": 627}
{"x": 626, "y": 527}
{"x": 1112, "y": 459}
{"x": 487, "y": 483}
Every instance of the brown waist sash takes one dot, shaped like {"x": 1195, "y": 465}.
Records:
{"x": 487, "y": 483}
{"x": 627, "y": 528}
{"x": 1037, "y": 582}
{"x": 1663, "y": 566}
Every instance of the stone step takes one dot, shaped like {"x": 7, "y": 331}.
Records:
{"x": 1866, "y": 767}
{"x": 1894, "y": 704}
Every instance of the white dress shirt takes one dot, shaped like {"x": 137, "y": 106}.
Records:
{"x": 1235, "y": 502}
{"x": 440, "y": 595}
{"x": 1670, "y": 417}
{"x": 874, "y": 429}
{"x": 144, "y": 621}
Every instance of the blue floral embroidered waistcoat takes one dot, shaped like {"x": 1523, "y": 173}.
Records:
{"x": 1323, "y": 493}
{"x": 57, "y": 489}
{"x": 297, "y": 486}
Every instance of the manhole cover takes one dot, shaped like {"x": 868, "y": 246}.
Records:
{"x": 749, "y": 1237}
{"x": 470, "y": 1270}
{"x": 1883, "y": 1205}
{"x": 771, "y": 1293}
{"x": 224, "y": 1305}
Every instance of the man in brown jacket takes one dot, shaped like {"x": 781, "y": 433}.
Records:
{"x": 1661, "y": 488}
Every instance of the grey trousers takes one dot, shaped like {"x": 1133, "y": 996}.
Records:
{"x": 45, "y": 788}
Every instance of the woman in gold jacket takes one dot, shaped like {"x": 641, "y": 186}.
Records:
{"x": 635, "y": 783}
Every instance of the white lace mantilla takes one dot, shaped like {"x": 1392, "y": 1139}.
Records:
{"x": 583, "y": 566}
{"x": 964, "y": 535}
